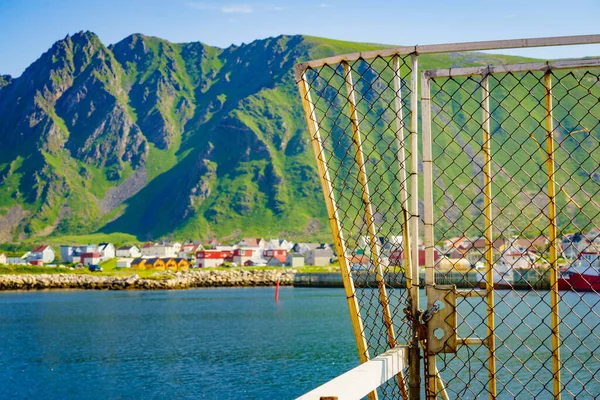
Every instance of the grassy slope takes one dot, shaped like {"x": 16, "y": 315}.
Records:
{"x": 522, "y": 158}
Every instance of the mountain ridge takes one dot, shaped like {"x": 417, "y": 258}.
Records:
{"x": 89, "y": 117}
{"x": 160, "y": 139}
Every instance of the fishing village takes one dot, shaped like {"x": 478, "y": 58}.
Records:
{"x": 317, "y": 200}
{"x": 519, "y": 263}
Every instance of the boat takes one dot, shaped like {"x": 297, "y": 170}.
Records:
{"x": 583, "y": 275}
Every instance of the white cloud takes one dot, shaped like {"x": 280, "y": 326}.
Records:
{"x": 324, "y": 5}
{"x": 237, "y": 8}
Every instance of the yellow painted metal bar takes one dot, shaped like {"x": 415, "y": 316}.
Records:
{"x": 414, "y": 365}
{"x": 414, "y": 206}
{"x": 414, "y": 166}
{"x": 553, "y": 236}
{"x": 402, "y": 169}
{"x": 434, "y": 385}
{"x": 455, "y": 47}
{"x": 472, "y": 341}
{"x": 431, "y": 386}
{"x": 366, "y": 197}
{"x": 334, "y": 221}
{"x": 489, "y": 240}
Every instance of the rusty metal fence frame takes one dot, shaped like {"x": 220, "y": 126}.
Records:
{"x": 484, "y": 73}
{"x": 433, "y": 384}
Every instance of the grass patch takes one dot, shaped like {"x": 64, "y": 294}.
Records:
{"x": 115, "y": 238}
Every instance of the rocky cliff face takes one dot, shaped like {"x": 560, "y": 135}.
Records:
{"x": 215, "y": 134}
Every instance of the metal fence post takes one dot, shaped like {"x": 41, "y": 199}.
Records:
{"x": 489, "y": 239}
{"x": 553, "y": 236}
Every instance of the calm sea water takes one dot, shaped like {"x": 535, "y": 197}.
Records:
{"x": 205, "y": 343}
{"x": 240, "y": 343}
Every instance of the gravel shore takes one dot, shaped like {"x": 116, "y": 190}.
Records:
{"x": 176, "y": 280}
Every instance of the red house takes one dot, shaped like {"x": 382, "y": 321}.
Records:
{"x": 240, "y": 256}
{"x": 397, "y": 257}
{"x": 211, "y": 258}
{"x": 275, "y": 257}
{"x": 91, "y": 258}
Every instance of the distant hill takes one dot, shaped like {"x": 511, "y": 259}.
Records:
{"x": 158, "y": 139}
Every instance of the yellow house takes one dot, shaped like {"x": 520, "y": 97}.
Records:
{"x": 170, "y": 263}
{"x": 176, "y": 264}
{"x": 182, "y": 264}
{"x": 138, "y": 263}
{"x": 155, "y": 263}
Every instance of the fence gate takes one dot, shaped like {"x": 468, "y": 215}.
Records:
{"x": 500, "y": 298}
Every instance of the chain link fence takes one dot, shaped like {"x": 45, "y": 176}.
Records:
{"x": 515, "y": 157}
{"x": 361, "y": 109}
{"x": 504, "y": 178}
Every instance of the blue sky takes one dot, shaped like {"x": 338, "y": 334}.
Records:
{"x": 29, "y": 27}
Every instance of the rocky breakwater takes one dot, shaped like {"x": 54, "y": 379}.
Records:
{"x": 157, "y": 281}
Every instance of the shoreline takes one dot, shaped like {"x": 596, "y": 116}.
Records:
{"x": 178, "y": 280}
{"x": 209, "y": 278}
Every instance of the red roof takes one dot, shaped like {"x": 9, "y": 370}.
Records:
{"x": 242, "y": 252}
{"x": 252, "y": 242}
{"x": 93, "y": 254}
{"x": 359, "y": 259}
{"x": 189, "y": 248}
{"x": 147, "y": 245}
{"x": 214, "y": 254}
{"x": 40, "y": 248}
{"x": 278, "y": 254}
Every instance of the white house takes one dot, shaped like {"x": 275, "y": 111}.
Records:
{"x": 188, "y": 250}
{"x": 569, "y": 247}
{"x": 391, "y": 243}
{"x": 148, "y": 249}
{"x": 66, "y": 253}
{"x": 158, "y": 250}
{"x": 303, "y": 248}
{"x": 17, "y": 260}
{"x": 72, "y": 254}
{"x": 129, "y": 251}
{"x": 252, "y": 242}
{"x": 3, "y": 259}
{"x": 43, "y": 253}
{"x": 294, "y": 260}
{"x": 107, "y": 250}
{"x": 240, "y": 256}
{"x": 124, "y": 262}
{"x": 166, "y": 250}
{"x": 256, "y": 262}
{"x": 319, "y": 256}
{"x": 279, "y": 244}
{"x": 589, "y": 253}
{"x": 223, "y": 247}
{"x": 513, "y": 258}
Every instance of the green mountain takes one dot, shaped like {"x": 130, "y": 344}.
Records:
{"x": 158, "y": 139}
